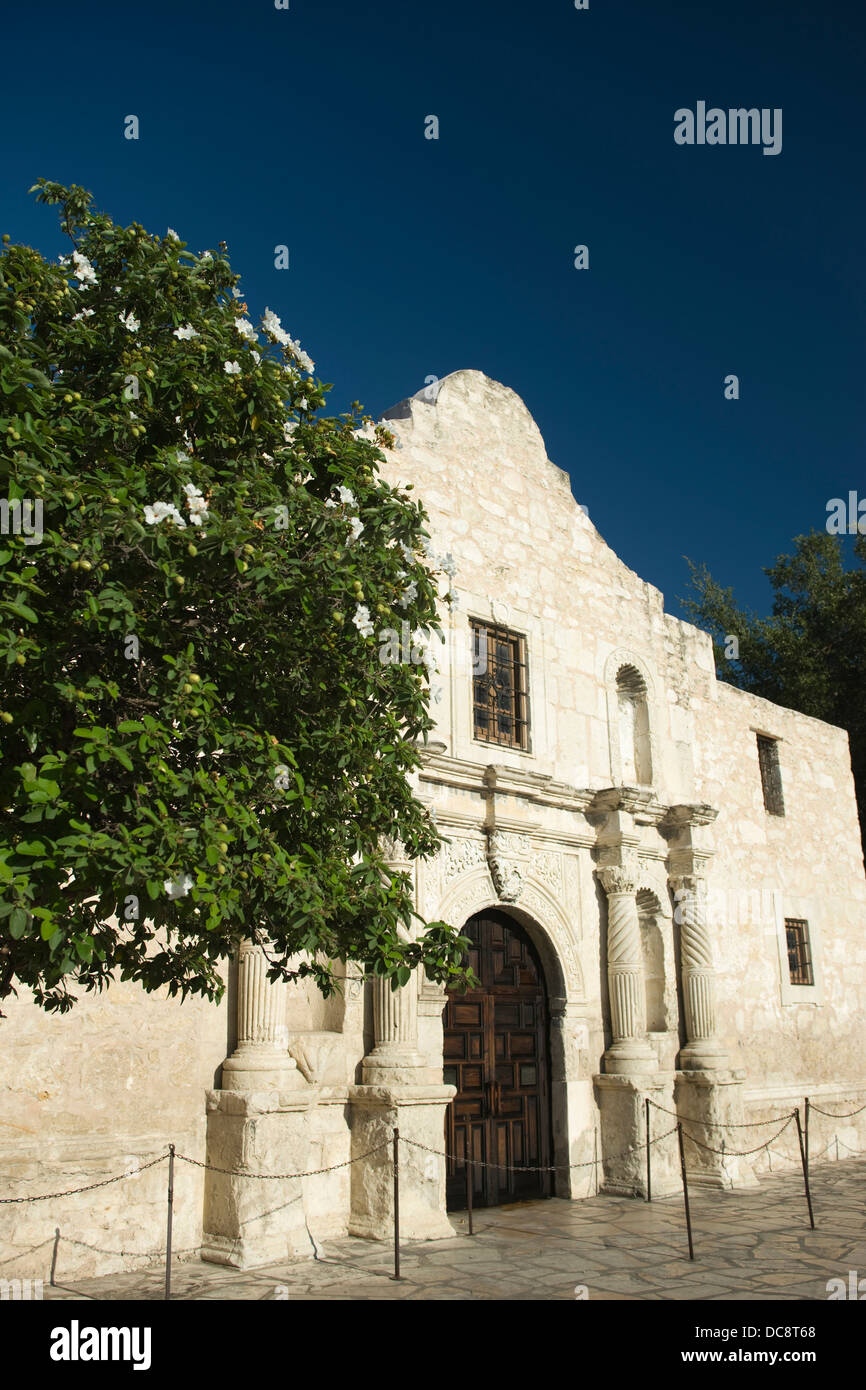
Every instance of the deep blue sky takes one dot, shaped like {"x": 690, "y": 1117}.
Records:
{"x": 412, "y": 257}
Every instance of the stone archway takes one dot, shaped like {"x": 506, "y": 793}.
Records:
{"x": 497, "y": 1054}
{"x": 540, "y": 913}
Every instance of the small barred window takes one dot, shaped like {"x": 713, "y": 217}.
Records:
{"x": 500, "y": 686}
{"x": 799, "y": 951}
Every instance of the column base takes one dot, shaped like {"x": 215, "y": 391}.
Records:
{"x": 711, "y": 1099}
{"x": 394, "y": 1064}
{"x": 261, "y": 1067}
{"x": 704, "y": 1056}
{"x": 249, "y": 1222}
{"x": 632, "y": 1057}
{"x": 419, "y": 1114}
{"x": 622, "y": 1110}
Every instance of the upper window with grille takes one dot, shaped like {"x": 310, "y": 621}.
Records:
{"x": 771, "y": 775}
{"x": 500, "y": 686}
{"x": 799, "y": 951}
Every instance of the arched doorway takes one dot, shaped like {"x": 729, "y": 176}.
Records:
{"x": 496, "y": 1054}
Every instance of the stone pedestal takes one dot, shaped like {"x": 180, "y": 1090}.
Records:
{"x": 248, "y": 1221}
{"x": 419, "y": 1114}
{"x": 622, "y": 1109}
{"x": 711, "y": 1099}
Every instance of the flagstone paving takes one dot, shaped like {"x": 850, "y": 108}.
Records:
{"x": 749, "y": 1245}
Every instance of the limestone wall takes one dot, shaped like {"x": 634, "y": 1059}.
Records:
{"x": 93, "y": 1093}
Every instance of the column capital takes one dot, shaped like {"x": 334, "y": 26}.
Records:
{"x": 621, "y": 877}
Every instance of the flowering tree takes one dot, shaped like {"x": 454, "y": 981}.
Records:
{"x": 199, "y": 740}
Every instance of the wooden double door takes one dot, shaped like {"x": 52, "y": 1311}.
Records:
{"x": 496, "y": 1054}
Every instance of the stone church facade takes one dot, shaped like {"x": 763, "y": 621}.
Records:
{"x": 662, "y": 878}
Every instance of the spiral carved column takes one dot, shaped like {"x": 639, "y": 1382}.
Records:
{"x": 702, "y": 1050}
{"x": 630, "y": 1051}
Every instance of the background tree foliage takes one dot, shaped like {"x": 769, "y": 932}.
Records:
{"x": 810, "y": 655}
{"x": 198, "y": 739}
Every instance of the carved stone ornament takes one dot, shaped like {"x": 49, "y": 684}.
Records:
{"x": 507, "y": 873}
{"x": 620, "y": 878}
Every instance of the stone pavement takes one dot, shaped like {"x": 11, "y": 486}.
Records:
{"x": 749, "y": 1245}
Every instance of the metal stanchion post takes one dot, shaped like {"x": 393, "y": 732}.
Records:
{"x": 469, "y": 1182}
{"x": 649, "y": 1177}
{"x": 396, "y": 1274}
{"x": 54, "y": 1255}
{"x": 168, "y": 1227}
{"x": 805, "y": 1170}
{"x": 806, "y": 1135}
{"x": 685, "y": 1191}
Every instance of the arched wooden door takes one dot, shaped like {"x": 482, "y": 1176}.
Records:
{"x": 496, "y": 1054}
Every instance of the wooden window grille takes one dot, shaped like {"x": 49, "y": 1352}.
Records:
{"x": 799, "y": 951}
{"x": 771, "y": 775}
{"x": 500, "y": 686}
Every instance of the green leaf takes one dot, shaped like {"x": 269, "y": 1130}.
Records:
{"x": 19, "y": 921}
{"x": 21, "y": 610}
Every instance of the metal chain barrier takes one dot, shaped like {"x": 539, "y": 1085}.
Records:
{"x": 272, "y": 1177}
{"x": 722, "y": 1124}
{"x": 735, "y": 1153}
{"x": 816, "y": 1109}
{"x": 552, "y": 1168}
{"x": 90, "y": 1187}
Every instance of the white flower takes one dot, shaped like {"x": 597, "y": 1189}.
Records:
{"x": 304, "y": 359}
{"x": 357, "y": 527}
{"x": 330, "y": 502}
{"x": 362, "y": 620}
{"x": 129, "y": 321}
{"x": 236, "y": 292}
{"x": 257, "y": 356}
{"x": 246, "y": 330}
{"x": 302, "y": 403}
{"x": 410, "y": 594}
{"x": 170, "y": 232}
{"x": 408, "y": 553}
{"x": 160, "y": 511}
{"x": 186, "y": 332}
{"x": 281, "y": 779}
{"x": 83, "y": 314}
{"x": 182, "y": 457}
{"x": 346, "y": 496}
{"x": 232, "y": 368}
{"x": 178, "y": 887}
{"x": 272, "y": 326}
{"x": 288, "y": 429}
{"x": 83, "y": 270}
{"x": 205, "y": 256}
{"x": 198, "y": 511}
